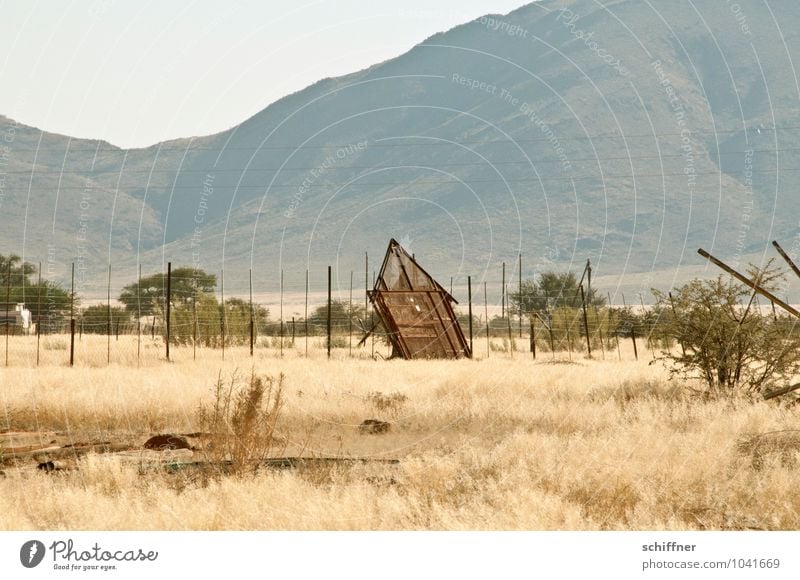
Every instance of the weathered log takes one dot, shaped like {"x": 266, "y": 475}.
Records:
{"x": 781, "y": 391}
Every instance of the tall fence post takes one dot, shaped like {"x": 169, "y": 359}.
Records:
{"x": 252, "y": 325}
{"x": 350, "y": 317}
{"x": 222, "y": 317}
{"x": 281, "y": 314}
{"x": 503, "y": 294}
{"x": 138, "y": 319}
{"x": 586, "y": 323}
{"x": 72, "y": 318}
{"x": 486, "y": 314}
{"x": 372, "y": 322}
{"x": 610, "y": 319}
{"x": 469, "y": 302}
{"x": 108, "y": 317}
{"x": 633, "y": 331}
{"x": 169, "y": 303}
{"x": 648, "y": 340}
{"x": 38, "y": 313}
{"x": 8, "y": 301}
{"x": 194, "y": 321}
{"x": 366, "y": 293}
{"x": 510, "y": 335}
{"x": 568, "y": 325}
{"x": 305, "y": 315}
{"x": 600, "y": 332}
{"x": 520, "y": 295}
{"x": 329, "y": 312}
{"x": 533, "y": 338}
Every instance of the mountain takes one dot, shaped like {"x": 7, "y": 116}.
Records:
{"x": 627, "y": 132}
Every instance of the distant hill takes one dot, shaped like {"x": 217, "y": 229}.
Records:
{"x": 630, "y": 134}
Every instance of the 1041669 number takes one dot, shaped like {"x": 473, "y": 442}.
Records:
{"x": 761, "y": 563}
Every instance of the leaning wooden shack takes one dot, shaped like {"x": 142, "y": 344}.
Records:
{"x": 415, "y": 310}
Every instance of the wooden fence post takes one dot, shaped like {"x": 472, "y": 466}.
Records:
{"x": 169, "y": 304}
{"x": 469, "y": 302}
{"x": 72, "y": 318}
{"x": 586, "y": 323}
{"x": 329, "y": 312}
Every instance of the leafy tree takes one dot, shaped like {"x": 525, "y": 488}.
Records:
{"x": 95, "y": 319}
{"x": 551, "y": 291}
{"x": 727, "y": 343}
{"x": 146, "y": 296}
{"x": 48, "y": 301}
{"x": 205, "y": 320}
{"x": 341, "y": 317}
{"x": 18, "y": 269}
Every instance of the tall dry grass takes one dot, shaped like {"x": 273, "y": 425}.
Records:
{"x": 489, "y": 444}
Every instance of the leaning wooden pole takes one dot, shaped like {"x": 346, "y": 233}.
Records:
{"x": 748, "y": 282}
{"x": 786, "y": 258}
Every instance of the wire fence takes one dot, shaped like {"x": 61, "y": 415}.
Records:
{"x": 180, "y": 315}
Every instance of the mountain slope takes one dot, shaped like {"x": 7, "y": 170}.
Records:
{"x": 629, "y": 133}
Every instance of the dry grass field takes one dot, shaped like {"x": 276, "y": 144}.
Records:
{"x": 498, "y": 443}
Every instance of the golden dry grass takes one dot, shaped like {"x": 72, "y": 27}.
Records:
{"x": 485, "y": 444}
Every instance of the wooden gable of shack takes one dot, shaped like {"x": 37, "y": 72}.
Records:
{"x": 415, "y": 310}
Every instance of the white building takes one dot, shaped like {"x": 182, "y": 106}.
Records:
{"x": 16, "y": 315}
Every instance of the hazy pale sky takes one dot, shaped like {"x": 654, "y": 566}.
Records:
{"x": 135, "y": 73}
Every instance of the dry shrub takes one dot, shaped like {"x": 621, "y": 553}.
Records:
{"x": 782, "y": 447}
{"x": 629, "y": 391}
{"x": 609, "y": 504}
{"x": 392, "y": 403}
{"x": 241, "y": 421}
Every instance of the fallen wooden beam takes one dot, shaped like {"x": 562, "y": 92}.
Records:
{"x": 781, "y": 391}
{"x": 58, "y": 451}
{"x": 280, "y": 463}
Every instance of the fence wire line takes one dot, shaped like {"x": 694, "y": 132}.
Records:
{"x": 198, "y": 319}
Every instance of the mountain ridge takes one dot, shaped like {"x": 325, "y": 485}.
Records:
{"x": 565, "y": 159}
